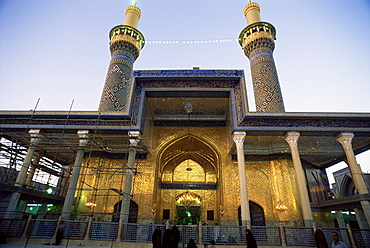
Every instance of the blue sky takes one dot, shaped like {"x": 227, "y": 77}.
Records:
{"x": 58, "y": 50}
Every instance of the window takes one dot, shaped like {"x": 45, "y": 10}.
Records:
{"x": 166, "y": 214}
{"x": 210, "y": 215}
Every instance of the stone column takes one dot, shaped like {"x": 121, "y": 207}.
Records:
{"x": 69, "y": 199}
{"x": 42, "y": 211}
{"x": 200, "y": 231}
{"x": 24, "y": 235}
{"x": 22, "y": 175}
{"x": 32, "y": 171}
{"x": 282, "y": 234}
{"x": 292, "y": 139}
{"x": 340, "y": 219}
{"x": 88, "y": 229}
{"x": 361, "y": 219}
{"x": 244, "y": 203}
{"x": 125, "y": 209}
{"x": 345, "y": 138}
{"x": 351, "y": 237}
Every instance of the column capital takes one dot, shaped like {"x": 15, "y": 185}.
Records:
{"x": 345, "y": 138}
{"x": 238, "y": 138}
{"x": 292, "y": 139}
{"x": 35, "y": 136}
{"x": 134, "y": 137}
{"x": 84, "y": 138}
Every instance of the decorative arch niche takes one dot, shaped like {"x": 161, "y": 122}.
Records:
{"x": 189, "y": 160}
{"x": 257, "y": 214}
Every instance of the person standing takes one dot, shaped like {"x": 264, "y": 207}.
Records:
{"x": 213, "y": 244}
{"x": 166, "y": 243}
{"x": 336, "y": 242}
{"x": 251, "y": 242}
{"x": 156, "y": 238}
{"x": 320, "y": 239}
{"x": 60, "y": 231}
{"x": 216, "y": 231}
{"x": 175, "y": 237}
{"x": 191, "y": 244}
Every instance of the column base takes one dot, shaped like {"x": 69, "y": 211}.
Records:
{"x": 308, "y": 223}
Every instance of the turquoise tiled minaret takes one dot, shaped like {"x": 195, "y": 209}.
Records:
{"x": 125, "y": 45}
{"x": 257, "y": 41}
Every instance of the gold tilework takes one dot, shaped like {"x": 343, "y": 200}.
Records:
{"x": 187, "y": 170}
{"x": 98, "y": 177}
{"x": 268, "y": 181}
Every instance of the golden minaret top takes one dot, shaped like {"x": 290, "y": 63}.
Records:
{"x": 133, "y": 14}
{"x": 252, "y": 13}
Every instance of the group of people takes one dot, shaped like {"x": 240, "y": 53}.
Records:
{"x": 171, "y": 239}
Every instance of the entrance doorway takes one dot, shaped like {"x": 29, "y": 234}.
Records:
{"x": 134, "y": 209}
{"x": 256, "y": 212}
{"x": 188, "y": 208}
{"x": 190, "y": 215}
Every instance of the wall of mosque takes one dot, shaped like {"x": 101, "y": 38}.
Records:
{"x": 270, "y": 183}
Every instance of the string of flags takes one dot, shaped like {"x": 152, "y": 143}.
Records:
{"x": 188, "y": 41}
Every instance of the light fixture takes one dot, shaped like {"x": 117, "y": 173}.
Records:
{"x": 280, "y": 206}
{"x": 188, "y": 199}
{"x": 90, "y": 204}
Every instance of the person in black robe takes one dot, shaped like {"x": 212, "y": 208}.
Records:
{"x": 191, "y": 244}
{"x": 166, "y": 242}
{"x": 251, "y": 242}
{"x": 59, "y": 235}
{"x": 320, "y": 239}
{"x": 156, "y": 238}
{"x": 175, "y": 237}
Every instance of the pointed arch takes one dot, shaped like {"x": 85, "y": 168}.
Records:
{"x": 347, "y": 188}
{"x": 189, "y": 148}
{"x": 133, "y": 213}
{"x": 257, "y": 214}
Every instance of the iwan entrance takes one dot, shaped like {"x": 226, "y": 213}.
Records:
{"x": 188, "y": 208}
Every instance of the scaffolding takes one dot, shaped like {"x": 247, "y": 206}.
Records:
{"x": 52, "y": 165}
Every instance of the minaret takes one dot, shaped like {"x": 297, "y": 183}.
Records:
{"x": 125, "y": 45}
{"x": 257, "y": 40}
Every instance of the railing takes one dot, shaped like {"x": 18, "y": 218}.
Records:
{"x": 267, "y": 236}
{"x": 75, "y": 229}
{"x": 299, "y": 236}
{"x": 142, "y": 233}
{"x": 362, "y": 237}
{"x": 103, "y": 230}
{"x": 343, "y": 233}
{"x": 233, "y": 235}
{"x": 12, "y": 227}
{"x": 188, "y": 232}
{"x": 41, "y": 228}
